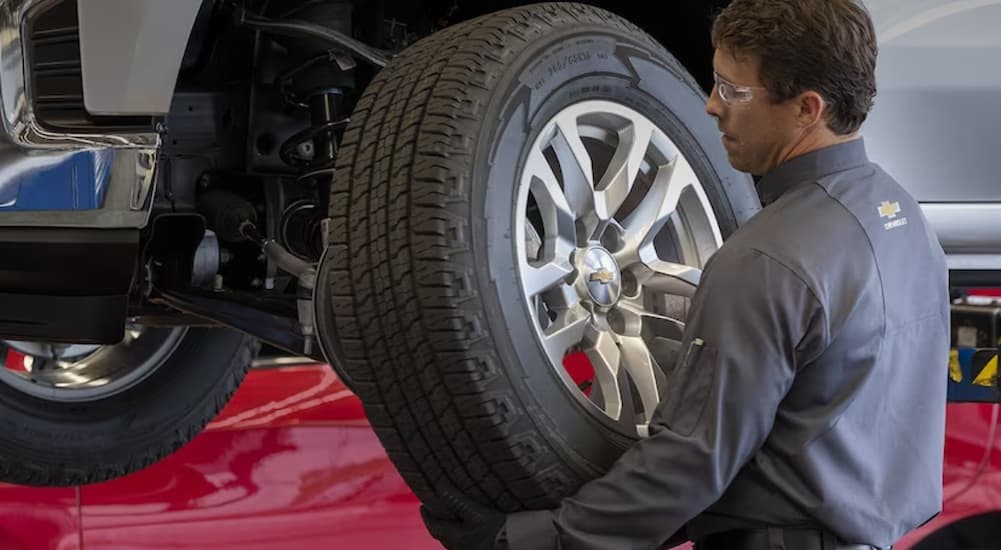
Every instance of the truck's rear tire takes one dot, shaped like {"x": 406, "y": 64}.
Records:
{"x": 422, "y": 293}
{"x": 62, "y": 425}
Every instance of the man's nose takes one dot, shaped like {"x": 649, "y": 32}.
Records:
{"x": 714, "y": 106}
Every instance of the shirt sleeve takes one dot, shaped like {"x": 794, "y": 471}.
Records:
{"x": 753, "y": 323}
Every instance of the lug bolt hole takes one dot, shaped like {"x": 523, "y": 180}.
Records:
{"x": 616, "y": 321}
{"x": 630, "y": 286}
{"x": 612, "y": 239}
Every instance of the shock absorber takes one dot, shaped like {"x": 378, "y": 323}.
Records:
{"x": 322, "y": 59}
{"x": 325, "y": 113}
{"x": 314, "y": 149}
{"x": 313, "y": 152}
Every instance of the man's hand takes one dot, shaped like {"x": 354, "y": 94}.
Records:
{"x": 473, "y": 527}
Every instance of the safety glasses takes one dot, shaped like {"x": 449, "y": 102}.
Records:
{"x": 733, "y": 93}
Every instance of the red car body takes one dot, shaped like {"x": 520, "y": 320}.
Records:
{"x": 972, "y": 473}
{"x": 292, "y": 463}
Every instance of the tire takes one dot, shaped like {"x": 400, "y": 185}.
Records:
{"x": 69, "y": 437}
{"x": 422, "y": 306}
{"x": 975, "y": 532}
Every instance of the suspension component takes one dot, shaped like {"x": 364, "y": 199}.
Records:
{"x": 234, "y": 219}
{"x": 330, "y": 36}
{"x": 305, "y": 273}
{"x": 276, "y": 252}
{"x": 316, "y": 159}
{"x": 307, "y": 60}
{"x": 225, "y": 212}
{"x": 300, "y": 229}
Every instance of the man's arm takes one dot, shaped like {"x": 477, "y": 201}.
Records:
{"x": 753, "y": 321}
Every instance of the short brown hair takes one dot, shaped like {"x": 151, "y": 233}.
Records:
{"x": 828, "y": 46}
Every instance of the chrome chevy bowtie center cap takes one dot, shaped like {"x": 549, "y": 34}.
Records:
{"x": 601, "y": 277}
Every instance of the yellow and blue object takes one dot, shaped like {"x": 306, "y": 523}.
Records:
{"x": 973, "y": 361}
{"x": 973, "y": 375}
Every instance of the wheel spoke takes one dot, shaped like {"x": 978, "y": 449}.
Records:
{"x": 667, "y": 277}
{"x": 567, "y": 331}
{"x": 566, "y": 298}
{"x": 558, "y": 238}
{"x": 647, "y": 341}
{"x": 538, "y": 279}
{"x": 660, "y": 326}
{"x": 638, "y": 322}
{"x": 656, "y": 208}
{"x": 639, "y": 364}
{"x": 604, "y": 355}
{"x": 557, "y": 216}
{"x": 533, "y": 242}
{"x": 625, "y": 165}
{"x": 575, "y": 166}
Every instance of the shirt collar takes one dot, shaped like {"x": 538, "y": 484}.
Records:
{"x": 810, "y": 167}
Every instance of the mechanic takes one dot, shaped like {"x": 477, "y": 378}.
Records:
{"x": 807, "y": 410}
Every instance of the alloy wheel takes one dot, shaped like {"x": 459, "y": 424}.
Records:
{"x": 612, "y": 230}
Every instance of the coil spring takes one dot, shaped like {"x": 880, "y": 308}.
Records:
{"x": 290, "y": 152}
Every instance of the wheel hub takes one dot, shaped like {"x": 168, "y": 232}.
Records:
{"x": 600, "y": 279}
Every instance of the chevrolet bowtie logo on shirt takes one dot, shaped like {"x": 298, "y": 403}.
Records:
{"x": 603, "y": 276}
{"x": 890, "y": 210}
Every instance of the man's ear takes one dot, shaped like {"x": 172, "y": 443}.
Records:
{"x": 812, "y": 109}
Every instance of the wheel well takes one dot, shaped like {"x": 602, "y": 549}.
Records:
{"x": 681, "y": 26}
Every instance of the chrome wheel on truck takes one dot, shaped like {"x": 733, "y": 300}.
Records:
{"x": 82, "y": 372}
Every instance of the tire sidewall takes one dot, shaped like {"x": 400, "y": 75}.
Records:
{"x": 567, "y": 67}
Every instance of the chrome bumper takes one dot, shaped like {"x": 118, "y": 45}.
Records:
{"x": 52, "y": 179}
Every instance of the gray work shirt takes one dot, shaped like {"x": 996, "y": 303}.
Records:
{"x": 814, "y": 386}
